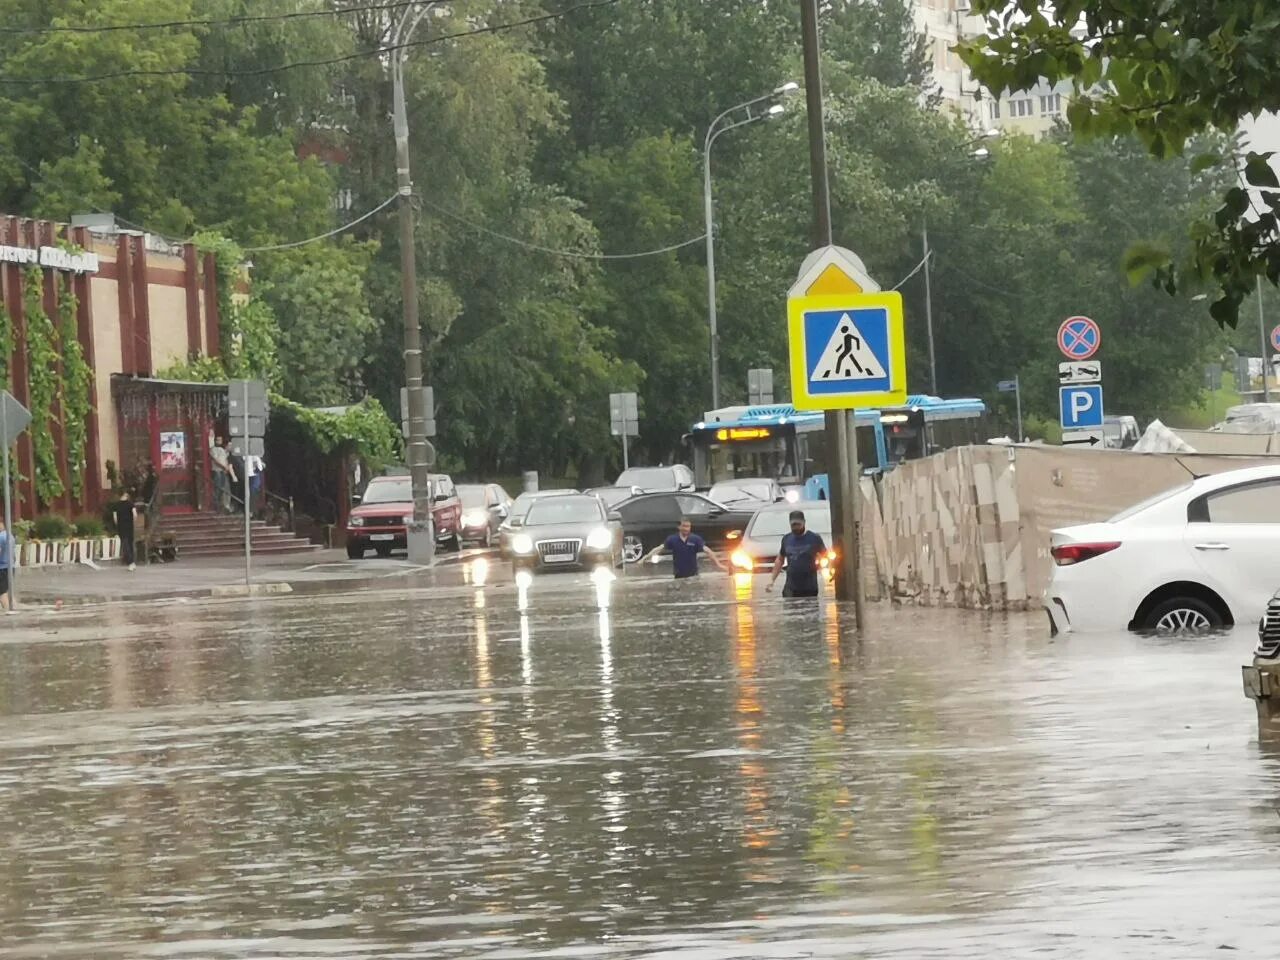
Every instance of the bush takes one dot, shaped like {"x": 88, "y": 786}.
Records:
{"x": 50, "y": 527}
{"x": 90, "y": 527}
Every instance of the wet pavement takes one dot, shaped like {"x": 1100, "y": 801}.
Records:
{"x": 704, "y": 772}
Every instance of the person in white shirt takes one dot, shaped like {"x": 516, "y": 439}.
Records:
{"x": 254, "y": 467}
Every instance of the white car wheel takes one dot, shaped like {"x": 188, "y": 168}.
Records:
{"x": 632, "y": 549}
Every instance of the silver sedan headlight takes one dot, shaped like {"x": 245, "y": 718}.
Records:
{"x": 599, "y": 539}
{"x": 522, "y": 543}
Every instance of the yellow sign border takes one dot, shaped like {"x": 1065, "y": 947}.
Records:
{"x": 891, "y": 301}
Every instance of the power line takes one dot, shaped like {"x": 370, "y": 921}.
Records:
{"x": 918, "y": 267}
{"x": 325, "y": 236}
{"x": 575, "y": 254}
{"x": 294, "y": 65}
{"x": 229, "y": 22}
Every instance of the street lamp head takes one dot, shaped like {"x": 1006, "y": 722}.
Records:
{"x": 992, "y": 134}
{"x": 981, "y": 153}
{"x": 789, "y": 87}
{"x": 776, "y": 110}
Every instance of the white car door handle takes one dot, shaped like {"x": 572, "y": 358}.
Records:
{"x": 1212, "y": 546}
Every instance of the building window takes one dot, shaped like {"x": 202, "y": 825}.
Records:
{"x": 1051, "y": 104}
{"x": 1021, "y": 107}
{"x": 995, "y": 109}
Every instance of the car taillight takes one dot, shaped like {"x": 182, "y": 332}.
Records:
{"x": 1069, "y": 553}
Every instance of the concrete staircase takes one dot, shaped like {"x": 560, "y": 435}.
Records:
{"x": 221, "y": 535}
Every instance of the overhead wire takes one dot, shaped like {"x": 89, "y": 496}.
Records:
{"x": 240, "y": 21}
{"x": 331, "y": 233}
{"x": 918, "y": 267}
{"x": 573, "y": 254}
{"x": 298, "y": 64}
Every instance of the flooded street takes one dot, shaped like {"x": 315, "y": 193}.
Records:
{"x": 704, "y": 772}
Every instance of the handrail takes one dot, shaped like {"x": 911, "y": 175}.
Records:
{"x": 288, "y": 506}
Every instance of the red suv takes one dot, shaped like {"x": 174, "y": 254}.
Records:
{"x": 385, "y": 510}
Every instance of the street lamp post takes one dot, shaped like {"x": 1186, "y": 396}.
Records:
{"x": 980, "y": 154}
{"x": 420, "y": 536}
{"x": 714, "y": 131}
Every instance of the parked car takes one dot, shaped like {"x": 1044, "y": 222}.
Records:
{"x": 657, "y": 479}
{"x": 763, "y": 536}
{"x": 647, "y": 520}
{"x": 1194, "y": 558}
{"x": 386, "y": 508}
{"x": 612, "y": 496}
{"x": 515, "y": 515}
{"x": 747, "y": 491}
{"x": 566, "y": 533}
{"x": 1120, "y": 432}
{"x": 484, "y": 507}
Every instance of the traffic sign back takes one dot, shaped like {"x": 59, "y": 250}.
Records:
{"x": 1079, "y": 338}
{"x": 847, "y": 351}
{"x": 1275, "y": 337}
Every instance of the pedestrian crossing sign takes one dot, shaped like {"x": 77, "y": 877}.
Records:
{"x": 847, "y": 351}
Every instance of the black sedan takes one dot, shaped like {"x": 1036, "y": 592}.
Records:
{"x": 648, "y": 520}
{"x": 567, "y": 533}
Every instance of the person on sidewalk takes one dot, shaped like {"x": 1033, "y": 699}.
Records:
{"x": 8, "y": 549}
{"x": 802, "y": 549}
{"x": 122, "y": 515}
{"x": 223, "y": 476}
{"x": 254, "y": 465}
{"x": 684, "y": 548}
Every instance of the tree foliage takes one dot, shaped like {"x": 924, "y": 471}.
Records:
{"x": 536, "y": 150}
{"x": 1165, "y": 72}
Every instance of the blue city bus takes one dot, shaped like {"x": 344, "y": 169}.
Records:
{"x": 788, "y": 445}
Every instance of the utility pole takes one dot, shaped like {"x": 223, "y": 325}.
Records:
{"x": 420, "y": 536}
{"x": 841, "y": 436}
{"x": 1266, "y": 357}
{"x": 928, "y": 311}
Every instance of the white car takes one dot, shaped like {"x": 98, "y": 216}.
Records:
{"x": 1204, "y": 555}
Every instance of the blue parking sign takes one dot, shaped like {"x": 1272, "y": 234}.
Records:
{"x": 1080, "y": 406}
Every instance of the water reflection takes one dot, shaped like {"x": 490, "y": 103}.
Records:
{"x": 695, "y": 770}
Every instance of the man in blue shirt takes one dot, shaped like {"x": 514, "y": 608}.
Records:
{"x": 7, "y": 549}
{"x": 684, "y": 548}
{"x": 802, "y": 550}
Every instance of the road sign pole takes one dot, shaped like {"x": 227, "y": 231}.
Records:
{"x": 840, "y": 433}
{"x": 8, "y": 512}
{"x": 626, "y": 463}
{"x": 244, "y": 470}
{"x": 1017, "y": 401}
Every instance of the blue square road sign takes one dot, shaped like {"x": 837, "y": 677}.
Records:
{"x": 1080, "y": 406}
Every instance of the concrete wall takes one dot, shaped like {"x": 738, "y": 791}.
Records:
{"x": 970, "y": 527}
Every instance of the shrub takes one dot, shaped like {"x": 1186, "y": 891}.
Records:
{"x": 90, "y": 527}
{"x": 50, "y": 526}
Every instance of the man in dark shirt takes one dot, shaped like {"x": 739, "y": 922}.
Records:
{"x": 802, "y": 549}
{"x": 122, "y": 514}
{"x": 684, "y": 548}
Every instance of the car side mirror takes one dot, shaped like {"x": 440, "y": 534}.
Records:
{"x": 615, "y": 517}
{"x": 503, "y": 512}
{"x": 516, "y": 522}
{"x": 355, "y": 499}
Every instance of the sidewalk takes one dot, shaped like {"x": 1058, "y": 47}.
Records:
{"x": 224, "y": 576}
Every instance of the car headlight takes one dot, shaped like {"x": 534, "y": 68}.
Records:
{"x": 407, "y": 519}
{"x": 793, "y": 496}
{"x": 742, "y": 560}
{"x": 355, "y": 522}
{"x": 600, "y": 539}
{"x": 522, "y": 543}
{"x": 475, "y": 518}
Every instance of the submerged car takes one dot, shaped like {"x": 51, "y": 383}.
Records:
{"x": 747, "y": 492}
{"x": 1198, "y": 557}
{"x": 763, "y": 536}
{"x": 385, "y": 511}
{"x": 516, "y": 513}
{"x": 649, "y": 519}
{"x": 484, "y": 507}
{"x": 657, "y": 479}
{"x": 570, "y": 532}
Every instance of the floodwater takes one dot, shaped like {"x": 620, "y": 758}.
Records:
{"x": 702, "y": 773}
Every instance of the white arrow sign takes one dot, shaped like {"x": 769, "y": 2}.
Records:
{"x": 1080, "y": 371}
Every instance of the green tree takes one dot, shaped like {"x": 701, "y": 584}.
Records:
{"x": 1164, "y": 72}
